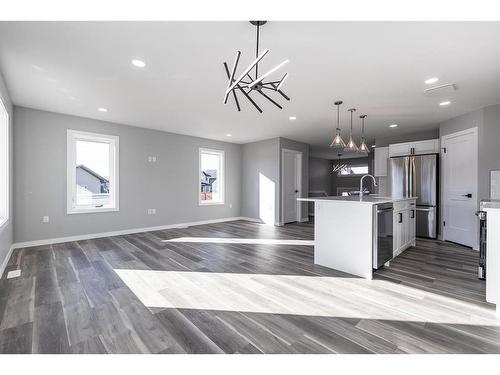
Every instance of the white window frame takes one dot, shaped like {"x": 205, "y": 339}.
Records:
{"x": 113, "y": 141}
{"x": 4, "y": 168}
{"x": 356, "y": 174}
{"x": 222, "y": 178}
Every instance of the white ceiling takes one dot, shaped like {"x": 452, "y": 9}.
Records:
{"x": 377, "y": 67}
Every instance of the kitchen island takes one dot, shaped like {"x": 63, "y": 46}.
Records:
{"x": 345, "y": 231}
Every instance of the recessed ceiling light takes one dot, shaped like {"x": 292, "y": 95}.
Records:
{"x": 393, "y": 125}
{"x": 292, "y": 118}
{"x": 101, "y": 109}
{"x": 446, "y": 102}
{"x": 138, "y": 63}
{"x": 229, "y": 135}
{"x": 432, "y": 80}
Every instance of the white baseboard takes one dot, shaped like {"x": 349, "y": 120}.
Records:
{"x": 3, "y": 266}
{"x": 50, "y": 241}
{"x": 303, "y": 220}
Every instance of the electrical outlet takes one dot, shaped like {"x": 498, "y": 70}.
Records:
{"x": 152, "y": 159}
{"x": 151, "y": 211}
{"x": 45, "y": 219}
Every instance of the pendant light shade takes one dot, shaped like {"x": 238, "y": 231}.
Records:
{"x": 351, "y": 145}
{"x": 363, "y": 148}
{"x": 338, "y": 142}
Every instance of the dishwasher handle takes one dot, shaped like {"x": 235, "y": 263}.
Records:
{"x": 385, "y": 210}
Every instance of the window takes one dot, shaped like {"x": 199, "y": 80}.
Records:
{"x": 92, "y": 172}
{"x": 354, "y": 170}
{"x": 211, "y": 188}
{"x": 4, "y": 165}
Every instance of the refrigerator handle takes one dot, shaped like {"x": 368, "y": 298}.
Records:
{"x": 406, "y": 173}
{"x": 412, "y": 176}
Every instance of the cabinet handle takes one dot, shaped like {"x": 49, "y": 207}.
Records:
{"x": 412, "y": 214}
{"x": 400, "y": 217}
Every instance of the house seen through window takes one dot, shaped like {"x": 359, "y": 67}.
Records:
{"x": 92, "y": 172}
{"x": 211, "y": 188}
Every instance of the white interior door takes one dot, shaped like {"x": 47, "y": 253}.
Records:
{"x": 291, "y": 166}
{"x": 460, "y": 187}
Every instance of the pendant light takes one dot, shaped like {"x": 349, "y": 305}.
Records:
{"x": 351, "y": 145}
{"x": 363, "y": 148}
{"x": 338, "y": 142}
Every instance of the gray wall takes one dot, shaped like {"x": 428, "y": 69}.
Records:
{"x": 259, "y": 158}
{"x": 264, "y": 157}
{"x": 170, "y": 185}
{"x": 6, "y": 233}
{"x": 487, "y": 120}
{"x": 489, "y": 150}
{"x": 463, "y": 122}
{"x": 320, "y": 175}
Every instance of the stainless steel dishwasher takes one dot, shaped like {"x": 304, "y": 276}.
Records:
{"x": 383, "y": 235}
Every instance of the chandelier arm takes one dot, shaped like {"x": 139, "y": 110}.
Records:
{"x": 250, "y": 99}
{"x": 231, "y": 77}
{"x": 257, "y": 80}
{"x": 236, "y": 101}
{"x": 271, "y": 100}
{"x": 234, "y": 92}
{"x": 281, "y": 92}
{"x": 282, "y": 81}
{"x": 260, "y": 57}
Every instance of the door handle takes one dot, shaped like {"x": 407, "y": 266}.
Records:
{"x": 468, "y": 195}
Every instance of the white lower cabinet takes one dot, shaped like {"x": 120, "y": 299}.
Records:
{"x": 403, "y": 226}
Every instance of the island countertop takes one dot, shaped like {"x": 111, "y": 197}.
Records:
{"x": 366, "y": 199}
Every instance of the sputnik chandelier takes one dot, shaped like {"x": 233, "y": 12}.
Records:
{"x": 351, "y": 146}
{"x": 249, "y": 81}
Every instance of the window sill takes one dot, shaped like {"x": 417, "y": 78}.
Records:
{"x": 91, "y": 210}
{"x": 211, "y": 203}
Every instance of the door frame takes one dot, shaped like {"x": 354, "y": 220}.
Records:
{"x": 298, "y": 183}
{"x": 444, "y": 138}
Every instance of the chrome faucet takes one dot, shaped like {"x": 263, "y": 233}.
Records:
{"x": 361, "y": 183}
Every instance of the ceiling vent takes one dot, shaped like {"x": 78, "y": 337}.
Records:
{"x": 441, "y": 90}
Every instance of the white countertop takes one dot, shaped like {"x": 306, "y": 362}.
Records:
{"x": 366, "y": 199}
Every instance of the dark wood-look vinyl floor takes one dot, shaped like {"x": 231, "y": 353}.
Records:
{"x": 239, "y": 287}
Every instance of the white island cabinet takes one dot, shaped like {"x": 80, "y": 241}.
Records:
{"x": 344, "y": 231}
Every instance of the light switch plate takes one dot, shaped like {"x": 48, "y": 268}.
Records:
{"x": 12, "y": 274}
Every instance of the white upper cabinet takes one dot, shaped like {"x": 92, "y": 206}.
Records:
{"x": 430, "y": 146}
{"x": 399, "y": 149}
{"x": 381, "y": 156}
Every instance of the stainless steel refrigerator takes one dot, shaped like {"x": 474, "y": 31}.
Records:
{"x": 417, "y": 176}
